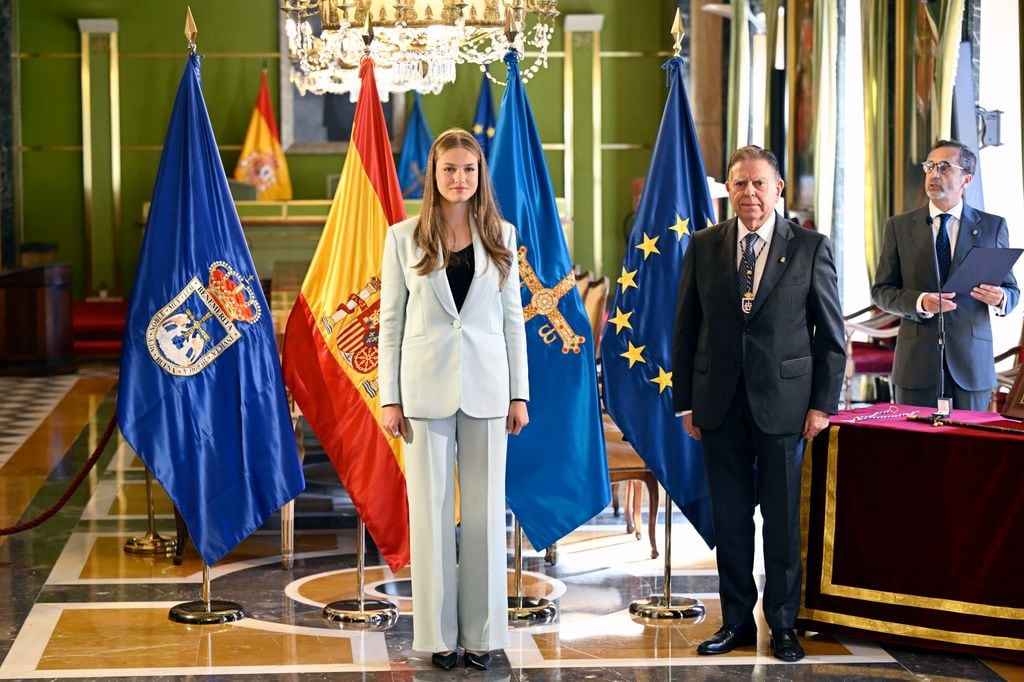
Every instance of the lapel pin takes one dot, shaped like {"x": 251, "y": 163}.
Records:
{"x": 782, "y": 260}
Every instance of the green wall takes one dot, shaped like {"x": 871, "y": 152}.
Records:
{"x": 236, "y": 37}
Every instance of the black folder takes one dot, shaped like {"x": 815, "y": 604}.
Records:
{"x": 981, "y": 266}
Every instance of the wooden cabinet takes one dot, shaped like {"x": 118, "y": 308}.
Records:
{"x": 35, "y": 321}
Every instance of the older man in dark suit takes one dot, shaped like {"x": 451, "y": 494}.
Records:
{"x": 919, "y": 248}
{"x": 757, "y": 367}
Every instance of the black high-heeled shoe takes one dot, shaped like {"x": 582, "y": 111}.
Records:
{"x": 445, "y": 661}
{"x": 481, "y": 661}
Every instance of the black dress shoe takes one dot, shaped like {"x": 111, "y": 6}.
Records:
{"x": 480, "y": 661}
{"x": 785, "y": 646}
{"x": 445, "y": 661}
{"x": 728, "y": 638}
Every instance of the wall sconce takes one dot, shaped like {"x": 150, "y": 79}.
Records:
{"x": 989, "y": 127}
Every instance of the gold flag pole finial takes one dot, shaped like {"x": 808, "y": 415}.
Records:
{"x": 190, "y": 30}
{"x": 511, "y": 26}
{"x": 367, "y": 34}
{"x": 678, "y": 32}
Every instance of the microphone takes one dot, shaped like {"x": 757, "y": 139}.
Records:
{"x": 941, "y": 401}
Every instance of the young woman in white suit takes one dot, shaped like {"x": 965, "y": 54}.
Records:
{"x": 454, "y": 383}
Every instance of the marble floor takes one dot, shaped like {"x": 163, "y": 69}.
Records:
{"x": 78, "y": 606}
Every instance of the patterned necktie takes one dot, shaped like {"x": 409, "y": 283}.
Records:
{"x": 745, "y": 274}
{"x": 942, "y": 250}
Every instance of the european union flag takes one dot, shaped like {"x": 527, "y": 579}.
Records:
{"x": 483, "y": 120}
{"x": 412, "y": 162}
{"x": 201, "y": 398}
{"x": 557, "y": 471}
{"x": 636, "y": 356}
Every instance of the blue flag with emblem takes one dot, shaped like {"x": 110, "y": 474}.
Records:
{"x": 201, "y": 398}
{"x": 636, "y": 351}
{"x": 557, "y": 471}
{"x": 412, "y": 161}
{"x": 483, "y": 120}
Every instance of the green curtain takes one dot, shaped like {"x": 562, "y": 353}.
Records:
{"x": 771, "y": 12}
{"x": 738, "y": 126}
{"x": 951, "y": 16}
{"x": 877, "y": 187}
{"x": 826, "y": 44}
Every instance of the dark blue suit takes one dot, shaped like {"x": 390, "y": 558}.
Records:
{"x": 906, "y": 268}
{"x": 750, "y": 380}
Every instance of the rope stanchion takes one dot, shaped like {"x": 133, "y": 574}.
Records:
{"x": 56, "y": 507}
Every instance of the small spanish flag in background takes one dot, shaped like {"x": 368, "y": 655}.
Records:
{"x": 262, "y": 161}
{"x": 330, "y": 345}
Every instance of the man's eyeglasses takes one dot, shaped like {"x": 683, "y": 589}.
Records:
{"x": 942, "y": 166}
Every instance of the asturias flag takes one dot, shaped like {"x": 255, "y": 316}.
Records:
{"x": 483, "y": 120}
{"x": 636, "y": 351}
{"x": 557, "y": 471}
{"x": 262, "y": 161}
{"x": 200, "y": 398}
{"x": 330, "y": 346}
{"x": 412, "y": 162}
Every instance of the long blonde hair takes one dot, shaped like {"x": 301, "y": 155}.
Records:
{"x": 430, "y": 231}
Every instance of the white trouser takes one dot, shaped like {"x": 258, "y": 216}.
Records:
{"x": 467, "y": 609}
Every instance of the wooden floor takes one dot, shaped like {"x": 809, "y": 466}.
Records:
{"x": 77, "y": 606}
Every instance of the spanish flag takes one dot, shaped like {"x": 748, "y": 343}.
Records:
{"x": 330, "y": 345}
{"x": 262, "y": 161}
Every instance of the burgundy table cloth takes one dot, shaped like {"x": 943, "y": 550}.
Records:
{"x": 915, "y": 533}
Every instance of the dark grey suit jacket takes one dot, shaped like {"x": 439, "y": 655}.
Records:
{"x": 790, "y": 350}
{"x": 906, "y": 268}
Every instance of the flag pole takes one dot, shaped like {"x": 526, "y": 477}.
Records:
{"x": 152, "y": 543}
{"x": 521, "y": 609}
{"x": 206, "y": 611}
{"x": 288, "y": 510}
{"x": 667, "y": 605}
{"x": 360, "y": 612}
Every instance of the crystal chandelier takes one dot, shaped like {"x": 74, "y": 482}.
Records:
{"x": 415, "y": 44}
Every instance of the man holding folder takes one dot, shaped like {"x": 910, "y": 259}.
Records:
{"x": 922, "y": 249}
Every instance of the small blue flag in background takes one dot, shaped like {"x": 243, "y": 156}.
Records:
{"x": 557, "y": 471}
{"x": 483, "y": 120}
{"x": 636, "y": 350}
{"x": 201, "y": 398}
{"x": 412, "y": 162}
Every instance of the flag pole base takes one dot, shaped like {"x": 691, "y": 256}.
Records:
{"x": 206, "y": 613}
{"x": 656, "y": 607}
{"x": 531, "y": 610}
{"x": 150, "y": 544}
{"x": 367, "y": 613}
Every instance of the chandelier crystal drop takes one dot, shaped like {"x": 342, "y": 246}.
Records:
{"x": 415, "y": 44}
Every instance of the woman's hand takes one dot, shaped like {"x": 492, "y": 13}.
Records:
{"x": 393, "y": 420}
{"x": 517, "y": 417}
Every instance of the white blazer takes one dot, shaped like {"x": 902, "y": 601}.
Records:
{"x": 434, "y": 359}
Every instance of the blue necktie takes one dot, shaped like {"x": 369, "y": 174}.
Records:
{"x": 745, "y": 275}
{"x": 942, "y": 250}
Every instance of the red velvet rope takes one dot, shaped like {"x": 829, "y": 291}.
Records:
{"x": 90, "y": 463}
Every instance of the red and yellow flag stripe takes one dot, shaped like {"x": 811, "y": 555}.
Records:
{"x": 330, "y": 348}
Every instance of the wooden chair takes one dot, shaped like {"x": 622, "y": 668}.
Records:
{"x": 869, "y": 347}
{"x": 1006, "y": 377}
{"x": 625, "y": 465}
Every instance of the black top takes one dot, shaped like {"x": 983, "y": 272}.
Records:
{"x": 460, "y": 274}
